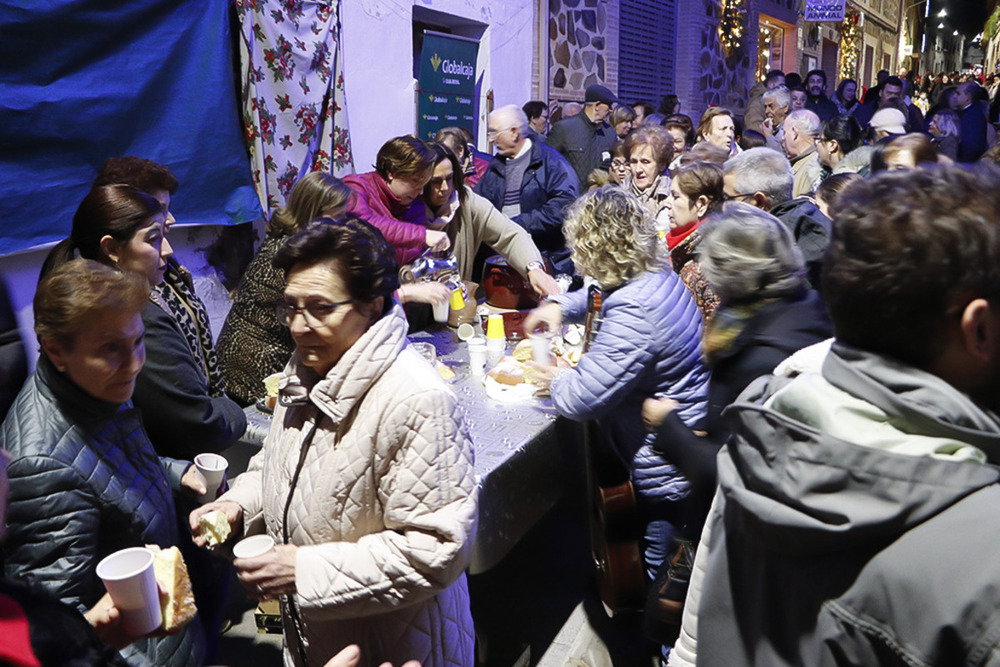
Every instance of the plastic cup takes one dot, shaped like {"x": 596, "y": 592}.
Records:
{"x": 465, "y": 331}
{"x": 457, "y": 300}
{"x": 494, "y": 328}
{"x": 441, "y": 311}
{"x": 477, "y": 356}
{"x": 211, "y": 471}
{"x": 427, "y": 351}
{"x": 251, "y": 547}
{"x": 128, "y": 576}
{"x": 541, "y": 345}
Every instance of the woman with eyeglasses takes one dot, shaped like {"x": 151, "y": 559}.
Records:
{"x": 365, "y": 481}
{"x": 252, "y": 343}
{"x": 619, "y": 171}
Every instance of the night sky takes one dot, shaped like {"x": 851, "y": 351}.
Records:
{"x": 966, "y": 16}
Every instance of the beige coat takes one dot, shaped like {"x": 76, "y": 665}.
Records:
{"x": 384, "y": 510}
{"x": 477, "y": 222}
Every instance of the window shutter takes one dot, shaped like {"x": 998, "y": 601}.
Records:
{"x": 646, "y": 50}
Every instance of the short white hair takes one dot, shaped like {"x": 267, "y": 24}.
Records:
{"x": 780, "y": 95}
{"x": 509, "y": 116}
{"x": 805, "y": 121}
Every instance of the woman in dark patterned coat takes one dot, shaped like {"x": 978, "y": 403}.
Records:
{"x": 252, "y": 344}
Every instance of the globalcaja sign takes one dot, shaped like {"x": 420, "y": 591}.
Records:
{"x": 446, "y": 88}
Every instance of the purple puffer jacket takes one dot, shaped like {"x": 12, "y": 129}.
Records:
{"x": 648, "y": 345}
{"x": 402, "y": 226}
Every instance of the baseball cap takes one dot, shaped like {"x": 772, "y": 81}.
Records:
{"x": 889, "y": 120}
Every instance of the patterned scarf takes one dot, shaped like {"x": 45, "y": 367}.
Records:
{"x": 176, "y": 296}
{"x": 726, "y": 326}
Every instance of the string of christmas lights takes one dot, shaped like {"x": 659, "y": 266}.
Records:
{"x": 732, "y": 26}
{"x": 850, "y": 42}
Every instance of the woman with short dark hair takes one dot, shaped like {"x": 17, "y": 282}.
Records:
{"x": 365, "y": 481}
{"x": 695, "y": 192}
{"x": 650, "y": 150}
{"x": 387, "y": 197}
{"x": 471, "y": 221}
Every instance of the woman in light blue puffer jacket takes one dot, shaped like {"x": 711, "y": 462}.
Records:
{"x": 648, "y": 345}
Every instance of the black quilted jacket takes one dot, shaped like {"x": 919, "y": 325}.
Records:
{"x": 85, "y": 482}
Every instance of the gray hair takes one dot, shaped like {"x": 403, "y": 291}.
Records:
{"x": 511, "y": 115}
{"x": 763, "y": 170}
{"x": 780, "y": 95}
{"x": 807, "y": 122}
{"x": 747, "y": 255}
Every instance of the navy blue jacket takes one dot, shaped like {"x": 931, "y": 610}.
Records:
{"x": 84, "y": 483}
{"x": 548, "y": 187}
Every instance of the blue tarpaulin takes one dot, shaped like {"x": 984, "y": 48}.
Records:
{"x": 83, "y": 80}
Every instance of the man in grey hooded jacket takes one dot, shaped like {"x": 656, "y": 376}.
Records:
{"x": 857, "y": 513}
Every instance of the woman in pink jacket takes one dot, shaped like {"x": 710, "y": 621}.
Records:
{"x": 388, "y": 199}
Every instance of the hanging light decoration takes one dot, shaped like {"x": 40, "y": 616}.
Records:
{"x": 850, "y": 42}
{"x": 764, "y": 38}
{"x": 732, "y": 27}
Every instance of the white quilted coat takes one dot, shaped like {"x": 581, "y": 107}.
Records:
{"x": 384, "y": 511}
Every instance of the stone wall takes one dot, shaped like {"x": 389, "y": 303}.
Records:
{"x": 583, "y": 39}
{"x": 705, "y": 74}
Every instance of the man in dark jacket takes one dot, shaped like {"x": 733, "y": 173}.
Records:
{"x": 972, "y": 129}
{"x": 530, "y": 183}
{"x": 585, "y": 138}
{"x": 856, "y": 500}
{"x": 890, "y": 94}
{"x": 763, "y": 177}
{"x": 816, "y": 99}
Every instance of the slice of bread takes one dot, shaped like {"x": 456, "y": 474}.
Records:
{"x": 171, "y": 573}
{"x": 214, "y": 527}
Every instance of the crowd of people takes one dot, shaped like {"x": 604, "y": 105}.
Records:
{"x": 802, "y": 518}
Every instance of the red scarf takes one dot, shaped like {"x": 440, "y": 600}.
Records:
{"x": 677, "y": 235}
{"x": 15, "y": 640}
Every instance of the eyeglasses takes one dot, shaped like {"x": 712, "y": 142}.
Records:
{"x": 619, "y": 164}
{"x": 493, "y": 134}
{"x": 315, "y": 314}
{"x": 737, "y": 197}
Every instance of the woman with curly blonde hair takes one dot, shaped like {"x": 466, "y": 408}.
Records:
{"x": 647, "y": 345}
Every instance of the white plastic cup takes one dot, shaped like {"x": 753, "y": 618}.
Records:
{"x": 441, "y": 311}
{"x": 495, "y": 348}
{"x": 251, "y": 547}
{"x": 211, "y": 471}
{"x": 477, "y": 356}
{"x": 465, "y": 331}
{"x": 129, "y": 579}
{"x": 541, "y": 349}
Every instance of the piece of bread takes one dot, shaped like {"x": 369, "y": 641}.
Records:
{"x": 171, "y": 573}
{"x": 214, "y": 527}
{"x": 508, "y": 372}
{"x": 522, "y": 351}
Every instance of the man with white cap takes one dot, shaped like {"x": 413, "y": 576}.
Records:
{"x": 887, "y": 122}
{"x": 585, "y": 139}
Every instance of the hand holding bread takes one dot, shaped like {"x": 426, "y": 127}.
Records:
{"x": 208, "y": 529}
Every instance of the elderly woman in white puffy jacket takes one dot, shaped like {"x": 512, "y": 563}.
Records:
{"x": 366, "y": 480}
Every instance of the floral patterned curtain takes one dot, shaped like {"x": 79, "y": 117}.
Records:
{"x": 294, "y": 113}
